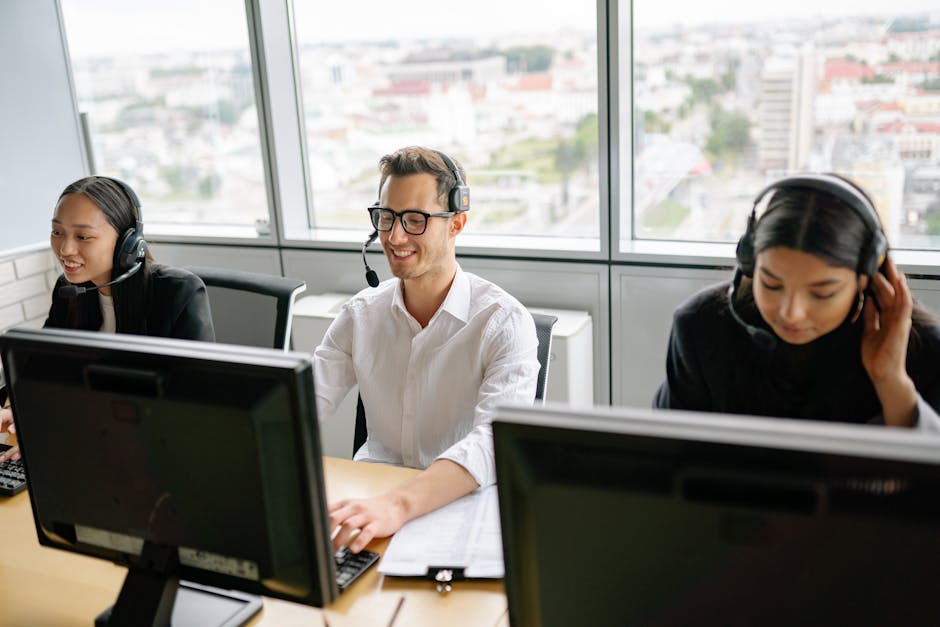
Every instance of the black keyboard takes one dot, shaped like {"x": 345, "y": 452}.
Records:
{"x": 12, "y": 474}
{"x": 350, "y": 565}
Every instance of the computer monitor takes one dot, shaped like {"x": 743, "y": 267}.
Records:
{"x": 180, "y": 460}
{"x": 641, "y": 517}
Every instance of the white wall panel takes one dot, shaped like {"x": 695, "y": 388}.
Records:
{"x": 259, "y": 259}
{"x": 643, "y": 301}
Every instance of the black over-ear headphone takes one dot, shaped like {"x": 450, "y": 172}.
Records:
{"x": 458, "y": 200}
{"x": 131, "y": 248}
{"x": 871, "y": 256}
{"x": 130, "y": 252}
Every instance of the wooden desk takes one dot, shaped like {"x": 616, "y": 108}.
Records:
{"x": 43, "y": 586}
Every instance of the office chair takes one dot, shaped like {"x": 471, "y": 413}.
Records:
{"x": 250, "y": 308}
{"x": 543, "y": 331}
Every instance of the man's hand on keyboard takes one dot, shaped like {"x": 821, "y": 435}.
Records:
{"x": 7, "y": 426}
{"x": 357, "y": 521}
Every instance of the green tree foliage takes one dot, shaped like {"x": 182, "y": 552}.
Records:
{"x": 655, "y": 123}
{"x": 524, "y": 58}
{"x": 932, "y": 217}
{"x": 577, "y": 152}
{"x": 730, "y": 134}
{"x": 931, "y": 85}
{"x": 878, "y": 79}
{"x": 703, "y": 89}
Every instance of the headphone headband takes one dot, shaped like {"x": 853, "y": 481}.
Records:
{"x": 458, "y": 198}
{"x": 131, "y": 248}
{"x": 870, "y": 257}
{"x": 131, "y": 196}
{"x": 844, "y": 190}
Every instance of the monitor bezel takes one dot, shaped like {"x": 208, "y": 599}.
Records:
{"x": 294, "y": 369}
{"x": 516, "y": 428}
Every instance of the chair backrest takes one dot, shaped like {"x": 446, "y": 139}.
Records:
{"x": 248, "y": 307}
{"x": 543, "y": 331}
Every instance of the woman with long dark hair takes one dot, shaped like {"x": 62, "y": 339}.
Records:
{"x": 818, "y": 323}
{"x": 110, "y": 282}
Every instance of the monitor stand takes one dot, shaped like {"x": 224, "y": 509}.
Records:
{"x": 153, "y": 596}
{"x": 202, "y": 606}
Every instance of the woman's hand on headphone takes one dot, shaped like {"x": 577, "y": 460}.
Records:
{"x": 884, "y": 344}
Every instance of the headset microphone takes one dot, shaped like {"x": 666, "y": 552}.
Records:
{"x": 762, "y": 337}
{"x": 71, "y": 291}
{"x": 371, "y": 277}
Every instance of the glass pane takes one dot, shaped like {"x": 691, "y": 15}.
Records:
{"x": 731, "y": 95}
{"x": 507, "y": 88}
{"x": 170, "y": 102}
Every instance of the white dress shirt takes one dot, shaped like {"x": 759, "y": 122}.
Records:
{"x": 430, "y": 393}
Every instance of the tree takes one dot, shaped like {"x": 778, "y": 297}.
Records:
{"x": 730, "y": 136}
{"x": 579, "y": 151}
{"x": 703, "y": 89}
{"x": 524, "y": 58}
{"x": 932, "y": 217}
{"x": 655, "y": 123}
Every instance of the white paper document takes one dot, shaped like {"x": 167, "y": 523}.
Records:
{"x": 464, "y": 534}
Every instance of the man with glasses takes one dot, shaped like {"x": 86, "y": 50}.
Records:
{"x": 434, "y": 350}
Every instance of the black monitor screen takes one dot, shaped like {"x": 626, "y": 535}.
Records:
{"x": 637, "y": 517}
{"x": 186, "y": 459}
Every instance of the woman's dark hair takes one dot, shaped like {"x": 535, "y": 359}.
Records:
{"x": 819, "y": 223}
{"x": 130, "y": 296}
{"x": 815, "y": 222}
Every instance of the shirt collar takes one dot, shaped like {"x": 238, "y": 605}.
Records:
{"x": 457, "y": 302}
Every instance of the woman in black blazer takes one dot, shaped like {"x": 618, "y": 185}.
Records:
{"x": 109, "y": 281}
{"x": 817, "y": 323}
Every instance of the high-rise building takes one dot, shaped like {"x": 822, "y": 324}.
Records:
{"x": 785, "y": 109}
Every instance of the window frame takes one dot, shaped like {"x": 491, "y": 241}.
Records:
{"x": 279, "y": 98}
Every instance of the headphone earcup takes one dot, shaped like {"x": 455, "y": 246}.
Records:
{"x": 745, "y": 249}
{"x": 459, "y": 198}
{"x": 874, "y": 254}
{"x": 130, "y": 249}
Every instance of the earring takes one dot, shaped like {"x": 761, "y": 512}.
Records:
{"x": 858, "y": 308}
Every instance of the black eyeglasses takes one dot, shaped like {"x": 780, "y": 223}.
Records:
{"x": 413, "y": 221}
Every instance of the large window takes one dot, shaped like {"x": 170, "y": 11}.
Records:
{"x": 167, "y": 92}
{"x": 729, "y": 95}
{"x": 714, "y": 100}
{"x": 507, "y": 88}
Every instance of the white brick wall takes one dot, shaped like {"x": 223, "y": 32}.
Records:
{"x": 35, "y": 263}
{"x": 26, "y": 282}
{"x": 11, "y": 315}
{"x": 7, "y": 272}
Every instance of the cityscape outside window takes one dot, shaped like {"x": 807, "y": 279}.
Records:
{"x": 168, "y": 96}
{"x": 725, "y": 103}
{"x": 507, "y": 88}
{"x": 722, "y": 97}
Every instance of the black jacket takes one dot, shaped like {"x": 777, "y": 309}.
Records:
{"x": 177, "y": 306}
{"x": 714, "y": 365}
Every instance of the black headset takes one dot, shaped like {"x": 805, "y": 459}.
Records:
{"x": 130, "y": 252}
{"x": 458, "y": 198}
{"x": 871, "y": 256}
{"x": 458, "y": 201}
{"x": 131, "y": 248}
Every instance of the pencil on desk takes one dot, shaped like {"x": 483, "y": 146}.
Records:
{"x": 401, "y": 601}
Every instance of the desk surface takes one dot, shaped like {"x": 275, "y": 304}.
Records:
{"x": 43, "y": 586}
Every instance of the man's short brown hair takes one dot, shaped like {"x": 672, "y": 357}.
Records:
{"x": 420, "y": 160}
